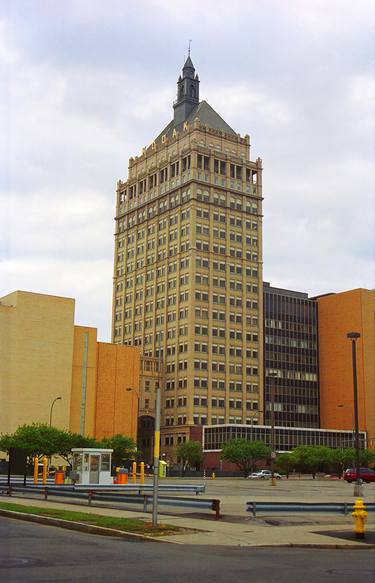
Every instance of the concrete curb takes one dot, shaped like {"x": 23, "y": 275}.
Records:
{"x": 82, "y": 527}
{"x": 101, "y": 530}
{"x": 346, "y": 546}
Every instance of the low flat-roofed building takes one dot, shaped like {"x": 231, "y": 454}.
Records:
{"x": 44, "y": 355}
{"x": 286, "y": 439}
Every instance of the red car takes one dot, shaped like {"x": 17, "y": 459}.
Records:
{"x": 367, "y": 475}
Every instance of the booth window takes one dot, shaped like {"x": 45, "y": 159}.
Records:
{"x": 105, "y": 462}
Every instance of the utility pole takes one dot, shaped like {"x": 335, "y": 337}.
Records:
{"x": 157, "y": 445}
{"x": 353, "y": 336}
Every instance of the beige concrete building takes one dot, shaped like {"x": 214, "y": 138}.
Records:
{"x": 188, "y": 266}
{"x": 36, "y": 352}
{"x": 44, "y": 355}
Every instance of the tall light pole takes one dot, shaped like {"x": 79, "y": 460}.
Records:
{"x": 50, "y": 413}
{"x": 353, "y": 336}
{"x": 272, "y": 377}
{"x": 353, "y": 432}
{"x": 156, "y": 445}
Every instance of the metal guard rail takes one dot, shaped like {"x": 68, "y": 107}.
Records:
{"x": 340, "y": 507}
{"x": 198, "y": 489}
{"x": 144, "y": 499}
{"x": 140, "y": 488}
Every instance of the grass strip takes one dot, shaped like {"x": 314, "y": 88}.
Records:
{"x": 124, "y": 524}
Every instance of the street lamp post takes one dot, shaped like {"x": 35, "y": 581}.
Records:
{"x": 50, "y": 419}
{"x": 352, "y": 443}
{"x": 353, "y": 336}
{"x": 156, "y": 446}
{"x": 50, "y": 413}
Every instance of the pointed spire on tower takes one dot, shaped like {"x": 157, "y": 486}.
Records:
{"x": 188, "y": 64}
{"x": 188, "y": 69}
{"x": 187, "y": 91}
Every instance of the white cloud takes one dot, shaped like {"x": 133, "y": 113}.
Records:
{"x": 87, "y": 84}
{"x": 8, "y": 54}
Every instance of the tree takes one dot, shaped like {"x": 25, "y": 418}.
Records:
{"x": 285, "y": 462}
{"x": 190, "y": 454}
{"x": 37, "y": 439}
{"x": 124, "y": 448}
{"x": 340, "y": 459}
{"x": 367, "y": 457}
{"x": 40, "y": 439}
{"x": 69, "y": 440}
{"x": 244, "y": 453}
{"x": 6, "y": 442}
{"x": 320, "y": 458}
{"x": 312, "y": 458}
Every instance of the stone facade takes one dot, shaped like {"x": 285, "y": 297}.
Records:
{"x": 188, "y": 269}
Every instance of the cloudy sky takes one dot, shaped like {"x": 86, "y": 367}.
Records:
{"x": 86, "y": 83}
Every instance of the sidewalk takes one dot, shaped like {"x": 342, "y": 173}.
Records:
{"x": 240, "y": 530}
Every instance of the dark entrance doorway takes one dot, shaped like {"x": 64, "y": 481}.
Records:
{"x": 146, "y": 428}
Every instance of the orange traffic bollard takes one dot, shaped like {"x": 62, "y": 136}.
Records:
{"x": 142, "y": 473}
{"x": 134, "y": 472}
{"x": 36, "y": 464}
{"x": 45, "y": 467}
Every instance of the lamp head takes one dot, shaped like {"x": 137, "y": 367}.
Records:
{"x": 353, "y": 335}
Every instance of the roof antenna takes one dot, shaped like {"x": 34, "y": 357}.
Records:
{"x": 189, "y": 48}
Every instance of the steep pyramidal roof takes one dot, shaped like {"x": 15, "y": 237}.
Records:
{"x": 188, "y": 64}
{"x": 207, "y": 115}
{"x": 187, "y": 106}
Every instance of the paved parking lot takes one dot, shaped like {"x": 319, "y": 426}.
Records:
{"x": 235, "y": 492}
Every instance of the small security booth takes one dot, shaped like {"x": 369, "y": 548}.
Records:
{"x": 91, "y": 465}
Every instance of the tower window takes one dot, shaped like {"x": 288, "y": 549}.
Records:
{"x": 185, "y": 163}
{"x": 203, "y": 162}
{"x": 219, "y": 167}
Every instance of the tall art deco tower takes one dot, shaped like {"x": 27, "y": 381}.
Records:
{"x": 188, "y": 268}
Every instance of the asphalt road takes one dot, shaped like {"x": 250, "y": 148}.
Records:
{"x": 37, "y": 553}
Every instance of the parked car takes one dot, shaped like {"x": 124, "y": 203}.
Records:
{"x": 367, "y": 475}
{"x": 264, "y": 475}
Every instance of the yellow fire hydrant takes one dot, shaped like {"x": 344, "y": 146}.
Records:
{"x": 359, "y": 515}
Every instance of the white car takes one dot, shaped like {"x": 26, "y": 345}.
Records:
{"x": 264, "y": 475}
